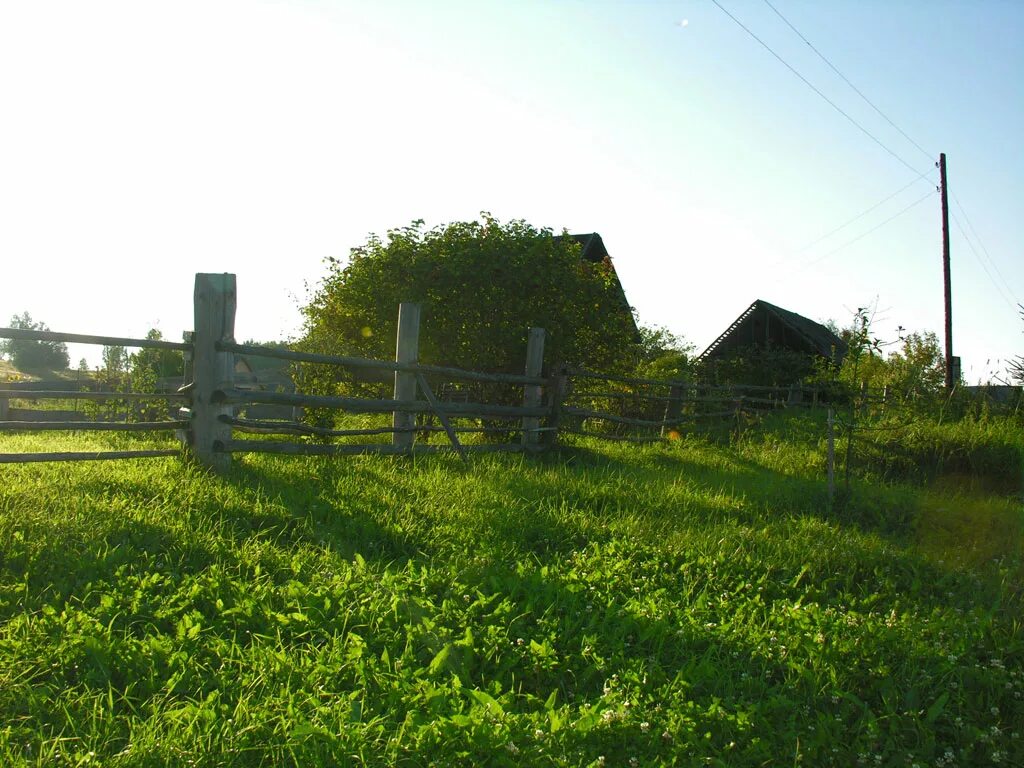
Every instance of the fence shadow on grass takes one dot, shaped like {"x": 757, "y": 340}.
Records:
{"x": 762, "y": 492}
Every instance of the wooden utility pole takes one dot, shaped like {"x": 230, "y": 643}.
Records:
{"x": 945, "y": 273}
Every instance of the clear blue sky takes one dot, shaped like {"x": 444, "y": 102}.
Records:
{"x": 143, "y": 142}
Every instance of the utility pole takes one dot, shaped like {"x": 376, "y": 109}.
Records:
{"x": 945, "y": 273}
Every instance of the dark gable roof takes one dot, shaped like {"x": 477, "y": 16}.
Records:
{"x": 815, "y": 336}
{"x": 592, "y": 249}
{"x": 591, "y": 246}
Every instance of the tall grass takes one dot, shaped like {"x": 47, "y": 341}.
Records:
{"x": 687, "y": 604}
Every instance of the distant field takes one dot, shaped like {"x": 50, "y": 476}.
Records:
{"x": 685, "y": 604}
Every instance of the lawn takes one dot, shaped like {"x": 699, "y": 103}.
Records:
{"x": 694, "y": 603}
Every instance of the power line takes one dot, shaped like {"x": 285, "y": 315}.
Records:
{"x": 847, "y": 81}
{"x": 864, "y": 213}
{"x": 873, "y": 229}
{"x": 991, "y": 261}
{"x": 982, "y": 263}
{"x": 808, "y": 83}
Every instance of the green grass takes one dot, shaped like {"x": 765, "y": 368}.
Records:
{"x": 686, "y": 604}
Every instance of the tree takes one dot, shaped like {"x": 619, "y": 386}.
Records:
{"x": 482, "y": 285}
{"x": 31, "y": 355}
{"x": 918, "y": 369}
{"x": 115, "y": 363}
{"x": 663, "y": 355}
{"x": 155, "y": 363}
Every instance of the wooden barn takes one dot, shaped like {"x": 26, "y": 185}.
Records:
{"x": 765, "y": 326}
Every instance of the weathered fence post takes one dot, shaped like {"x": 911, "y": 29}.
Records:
{"x": 4, "y": 406}
{"x": 674, "y": 407}
{"x": 532, "y": 392}
{"x": 215, "y": 300}
{"x": 831, "y": 459}
{"x": 407, "y": 350}
{"x": 558, "y": 391}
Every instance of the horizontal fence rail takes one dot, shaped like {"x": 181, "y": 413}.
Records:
{"x": 341, "y": 449}
{"x": 82, "y": 338}
{"x": 57, "y": 394}
{"x": 25, "y": 458}
{"x": 366, "y": 405}
{"x": 220, "y": 403}
{"x": 91, "y": 426}
{"x": 380, "y": 365}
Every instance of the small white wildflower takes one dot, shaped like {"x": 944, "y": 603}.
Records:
{"x": 645, "y": 727}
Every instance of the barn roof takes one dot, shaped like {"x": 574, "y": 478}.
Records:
{"x": 591, "y": 246}
{"x": 592, "y": 249}
{"x": 813, "y": 337}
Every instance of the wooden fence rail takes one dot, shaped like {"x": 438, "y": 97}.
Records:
{"x": 81, "y": 338}
{"x": 457, "y": 374}
{"x": 215, "y": 401}
{"x": 212, "y": 399}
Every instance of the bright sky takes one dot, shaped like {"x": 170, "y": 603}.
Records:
{"x": 142, "y": 142}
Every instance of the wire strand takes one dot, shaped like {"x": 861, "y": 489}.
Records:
{"x": 991, "y": 261}
{"x": 873, "y": 229}
{"x": 847, "y": 81}
{"x": 864, "y": 213}
{"x": 810, "y": 85}
{"x": 982, "y": 263}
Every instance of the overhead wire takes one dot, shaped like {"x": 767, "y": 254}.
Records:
{"x": 864, "y": 213}
{"x": 1005, "y": 285}
{"x": 877, "y": 141}
{"x": 810, "y": 85}
{"x": 846, "y": 80}
{"x": 1003, "y": 296}
{"x": 991, "y": 261}
{"x": 873, "y": 229}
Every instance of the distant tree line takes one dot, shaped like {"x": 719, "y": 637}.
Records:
{"x": 34, "y": 356}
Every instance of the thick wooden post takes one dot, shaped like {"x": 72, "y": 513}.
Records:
{"x": 407, "y": 350}
{"x": 215, "y": 301}
{"x": 4, "y": 407}
{"x": 831, "y": 459}
{"x": 947, "y": 294}
{"x": 558, "y": 391}
{"x": 532, "y": 392}
{"x": 674, "y": 407}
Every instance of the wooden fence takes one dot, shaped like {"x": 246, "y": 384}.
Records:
{"x": 212, "y": 424}
{"x": 209, "y": 417}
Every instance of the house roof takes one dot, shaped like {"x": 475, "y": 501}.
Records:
{"x": 591, "y": 246}
{"x": 814, "y": 336}
{"x": 592, "y": 249}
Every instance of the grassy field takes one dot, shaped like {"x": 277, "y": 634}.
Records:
{"x": 684, "y": 604}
